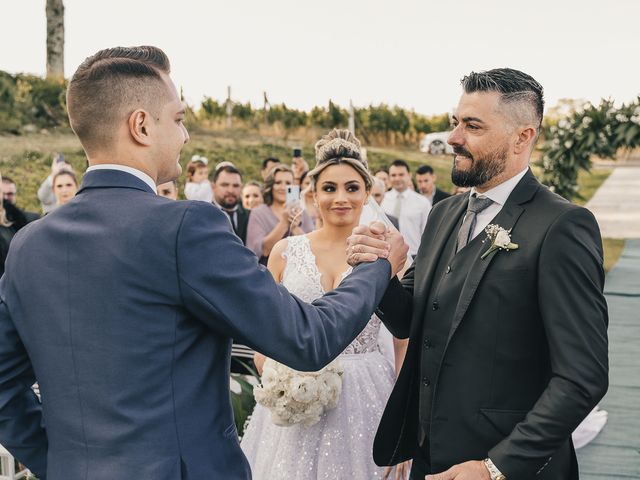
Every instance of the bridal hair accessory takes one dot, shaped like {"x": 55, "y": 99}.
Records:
{"x": 500, "y": 240}
{"x": 298, "y": 397}
{"x": 200, "y": 158}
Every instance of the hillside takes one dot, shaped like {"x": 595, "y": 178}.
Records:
{"x": 27, "y": 158}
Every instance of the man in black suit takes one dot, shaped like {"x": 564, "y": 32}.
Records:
{"x": 426, "y": 179}
{"x": 227, "y": 189}
{"x": 10, "y": 194}
{"x": 508, "y": 332}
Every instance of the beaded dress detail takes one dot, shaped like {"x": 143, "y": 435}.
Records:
{"x": 340, "y": 445}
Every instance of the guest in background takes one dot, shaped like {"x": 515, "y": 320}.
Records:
{"x": 427, "y": 184}
{"x": 383, "y": 174}
{"x": 377, "y": 192}
{"x": 198, "y": 186}
{"x": 168, "y": 190}
{"x": 65, "y": 186}
{"x": 275, "y": 220}
{"x": 252, "y": 195}
{"x": 267, "y": 164}
{"x": 410, "y": 208}
{"x": 45, "y": 192}
{"x": 227, "y": 187}
{"x": 308, "y": 203}
{"x": 10, "y": 194}
{"x": 11, "y": 220}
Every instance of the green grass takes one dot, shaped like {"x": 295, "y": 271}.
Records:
{"x": 27, "y": 159}
{"x": 613, "y": 248}
{"x": 589, "y": 182}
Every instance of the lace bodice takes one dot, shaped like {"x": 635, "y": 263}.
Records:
{"x": 302, "y": 278}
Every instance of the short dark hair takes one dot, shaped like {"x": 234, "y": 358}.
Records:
{"x": 109, "y": 85}
{"x": 424, "y": 169}
{"x": 266, "y": 161}
{"x": 400, "y": 163}
{"x": 228, "y": 169}
{"x": 513, "y": 86}
{"x": 8, "y": 180}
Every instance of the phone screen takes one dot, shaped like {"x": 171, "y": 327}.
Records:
{"x": 293, "y": 195}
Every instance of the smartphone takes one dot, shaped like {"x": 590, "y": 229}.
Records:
{"x": 60, "y": 158}
{"x": 293, "y": 195}
{"x": 297, "y": 152}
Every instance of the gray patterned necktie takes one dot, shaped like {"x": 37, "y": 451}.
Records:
{"x": 476, "y": 205}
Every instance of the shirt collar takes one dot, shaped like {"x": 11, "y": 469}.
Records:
{"x": 124, "y": 168}
{"x": 500, "y": 193}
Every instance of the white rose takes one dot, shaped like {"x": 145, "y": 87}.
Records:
{"x": 502, "y": 239}
{"x": 304, "y": 389}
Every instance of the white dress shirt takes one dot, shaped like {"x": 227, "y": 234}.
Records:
{"x": 124, "y": 168}
{"x": 499, "y": 194}
{"x": 413, "y": 215}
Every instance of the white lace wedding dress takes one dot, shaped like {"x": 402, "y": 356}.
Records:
{"x": 340, "y": 445}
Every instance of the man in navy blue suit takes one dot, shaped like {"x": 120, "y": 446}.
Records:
{"x": 122, "y": 304}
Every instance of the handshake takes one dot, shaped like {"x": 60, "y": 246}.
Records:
{"x": 369, "y": 243}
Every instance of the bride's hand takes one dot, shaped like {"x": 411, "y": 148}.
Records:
{"x": 402, "y": 471}
{"x": 367, "y": 244}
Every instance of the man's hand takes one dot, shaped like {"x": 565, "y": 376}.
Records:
{"x": 474, "y": 470}
{"x": 367, "y": 244}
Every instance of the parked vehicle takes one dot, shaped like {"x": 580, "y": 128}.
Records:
{"x": 436, "y": 144}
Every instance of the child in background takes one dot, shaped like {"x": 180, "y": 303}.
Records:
{"x": 198, "y": 186}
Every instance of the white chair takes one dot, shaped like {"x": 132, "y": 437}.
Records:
{"x": 8, "y": 467}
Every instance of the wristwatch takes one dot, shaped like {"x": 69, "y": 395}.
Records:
{"x": 494, "y": 473}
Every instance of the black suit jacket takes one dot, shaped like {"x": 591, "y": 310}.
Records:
{"x": 526, "y": 357}
{"x": 440, "y": 195}
{"x": 243, "y": 221}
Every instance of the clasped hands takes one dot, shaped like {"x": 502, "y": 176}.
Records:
{"x": 368, "y": 243}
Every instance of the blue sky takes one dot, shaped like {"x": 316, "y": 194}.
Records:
{"x": 406, "y": 52}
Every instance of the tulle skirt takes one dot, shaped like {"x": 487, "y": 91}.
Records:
{"x": 340, "y": 445}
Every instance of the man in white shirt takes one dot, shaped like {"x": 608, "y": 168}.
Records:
{"x": 410, "y": 208}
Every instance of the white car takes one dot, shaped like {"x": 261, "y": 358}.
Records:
{"x": 436, "y": 144}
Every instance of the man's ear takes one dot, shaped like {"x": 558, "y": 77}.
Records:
{"x": 140, "y": 127}
{"x": 525, "y": 140}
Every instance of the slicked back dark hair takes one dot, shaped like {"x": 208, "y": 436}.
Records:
{"x": 513, "y": 86}
{"x": 424, "y": 169}
{"x": 109, "y": 85}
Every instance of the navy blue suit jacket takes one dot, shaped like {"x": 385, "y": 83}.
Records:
{"x": 122, "y": 305}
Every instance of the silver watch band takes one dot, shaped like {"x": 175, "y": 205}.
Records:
{"x": 494, "y": 472}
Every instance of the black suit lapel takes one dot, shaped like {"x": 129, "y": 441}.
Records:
{"x": 507, "y": 219}
{"x": 431, "y": 248}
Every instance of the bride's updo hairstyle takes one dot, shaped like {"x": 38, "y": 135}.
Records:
{"x": 340, "y": 147}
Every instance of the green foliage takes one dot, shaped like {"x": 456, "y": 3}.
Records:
{"x": 28, "y": 102}
{"x": 381, "y": 122}
{"x": 591, "y": 130}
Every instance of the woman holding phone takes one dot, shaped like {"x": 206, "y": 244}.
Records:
{"x": 281, "y": 215}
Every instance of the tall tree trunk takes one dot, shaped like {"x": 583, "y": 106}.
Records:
{"x": 55, "y": 39}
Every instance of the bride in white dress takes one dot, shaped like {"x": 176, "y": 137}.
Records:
{"x": 340, "y": 445}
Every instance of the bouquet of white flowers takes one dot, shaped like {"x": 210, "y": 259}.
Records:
{"x": 298, "y": 397}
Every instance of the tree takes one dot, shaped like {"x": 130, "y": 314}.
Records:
{"x": 55, "y": 39}
{"x": 589, "y": 130}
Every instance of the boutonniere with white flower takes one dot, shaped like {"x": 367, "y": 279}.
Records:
{"x": 500, "y": 240}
